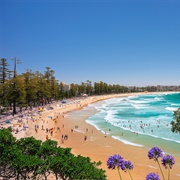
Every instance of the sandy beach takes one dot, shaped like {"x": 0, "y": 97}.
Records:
{"x": 97, "y": 146}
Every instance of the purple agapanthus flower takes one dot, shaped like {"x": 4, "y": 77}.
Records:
{"x": 114, "y": 161}
{"x": 152, "y": 176}
{"x": 168, "y": 160}
{"x": 127, "y": 165}
{"x": 155, "y": 153}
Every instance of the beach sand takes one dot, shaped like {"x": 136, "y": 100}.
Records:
{"x": 97, "y": 146}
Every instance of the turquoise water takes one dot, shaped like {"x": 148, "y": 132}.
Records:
{"x": 142, "y": 120}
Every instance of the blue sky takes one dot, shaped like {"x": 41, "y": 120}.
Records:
{"x": 131, "y": 43}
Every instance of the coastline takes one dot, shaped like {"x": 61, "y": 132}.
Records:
{"x": 97, "y": 146}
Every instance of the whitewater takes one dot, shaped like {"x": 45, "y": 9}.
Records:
{"x": 142, "y": 120}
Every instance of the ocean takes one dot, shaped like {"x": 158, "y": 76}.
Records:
{"x": 142, "y": 120}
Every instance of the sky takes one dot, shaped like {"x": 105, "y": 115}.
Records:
{"x": 125, "y": 42}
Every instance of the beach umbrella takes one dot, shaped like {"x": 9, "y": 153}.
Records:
{"x": 8, "y": 121}
{"x": 63, "y": 101}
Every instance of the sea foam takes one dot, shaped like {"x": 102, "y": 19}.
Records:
{"x": 147, "y": 115}
{"x": 126, "y": 142}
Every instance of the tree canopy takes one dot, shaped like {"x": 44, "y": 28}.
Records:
{"x": 30, "y": 158}
{"x": 176, "y": 124}
{"x": 38, "y": 89}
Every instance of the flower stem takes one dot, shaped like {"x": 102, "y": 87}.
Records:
{"x": 168, "y": 172}
{"x": 130, "y": 174}
{"x": 119, "y": 174}
{"x": 160, "y": 169}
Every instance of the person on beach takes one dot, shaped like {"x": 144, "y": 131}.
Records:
{"x": 17, "y": 130}
{"x": 105, "y": 134}
{"x": 47, "y": 130}
{"x": 62, "y": 139}
{"x": 65, "y": 137}
{"x": 85, "y": 138}
{"x": 58, "y": 129}
{"x": 51, "y": 132}
{"x": 46, "y": 137}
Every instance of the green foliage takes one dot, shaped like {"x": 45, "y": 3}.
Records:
{"x": 81, "y": 168}
{"x": 31, "y": 84}
{"x": 103, "y": 88}
{"x": 10, "y": 128}
{"x": 29, "y": 146}
{"x": 34, "y": 159}
{"x": 6, "y": 139}
{"x": 35, "y": 88}
{"x": 7, "y": 153}
{"x": 176, "y": 124}
{"x": 4, "y": 70}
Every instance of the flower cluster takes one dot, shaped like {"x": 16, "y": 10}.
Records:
{"x": 117, "y": 161}
{"x": 155, "y": 153}
{"x": 127, "y": 165}
{"x": 167, "y": 161}
{"x": 152, "y": 176}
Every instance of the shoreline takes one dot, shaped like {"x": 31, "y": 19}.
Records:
{"x": 100, "y": 148}
{"x": 97, "y": 147}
